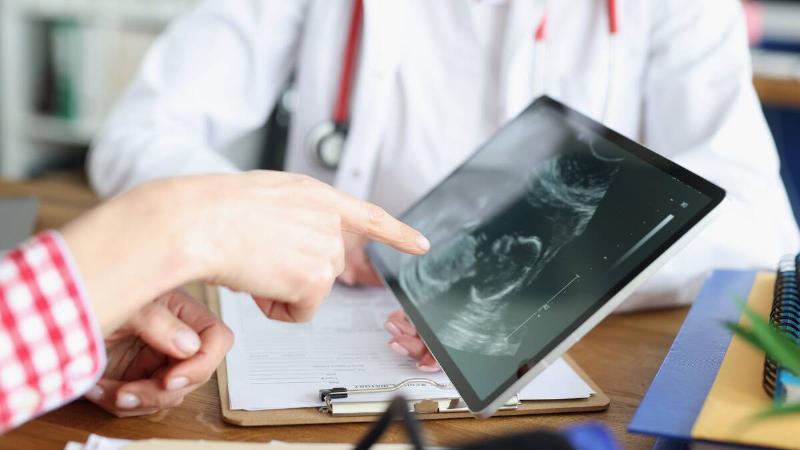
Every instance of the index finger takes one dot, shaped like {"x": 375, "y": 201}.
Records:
{"x": 373, "y": 222}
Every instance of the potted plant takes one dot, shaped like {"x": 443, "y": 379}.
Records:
{"x": 784, "y": 350}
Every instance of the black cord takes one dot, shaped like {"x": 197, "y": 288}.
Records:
{"x": 538, "y": 439}
{"x": 398, "y": 408}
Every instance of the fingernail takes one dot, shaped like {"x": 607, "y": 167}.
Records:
{"x": 408, "y": 328}
{"x": 95, "y": 393}
{"x": 423, "y": 243}
{"x": 392, "y": 329}
{"x": 399, "y": 349}
{"x": 426, "y": 368}
{"x": 173, "y": 384}
{"x": 187, "y": 341}
{"x": 347, "y": 278}
{"x": 127, "y": 401}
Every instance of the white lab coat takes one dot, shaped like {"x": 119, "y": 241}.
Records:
{"x": 683, "y": 88}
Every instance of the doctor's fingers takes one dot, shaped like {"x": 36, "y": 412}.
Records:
{"x": 427, "y": 363}
{"x": 359, "y": 274}
{"x": 413, "y": 347}
{"x": 397, "y": 324}
{"x": 358, "y": 271}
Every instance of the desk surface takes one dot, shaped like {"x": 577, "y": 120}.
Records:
{"x": 778, "y": 92}
{"x": 622, "y": 355}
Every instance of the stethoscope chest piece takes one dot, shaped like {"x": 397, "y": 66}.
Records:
{"x": 326, "y": 143}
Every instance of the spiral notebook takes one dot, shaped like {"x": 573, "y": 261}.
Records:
{"x": 710, "y": 383}
{"x": 785, "y": 314}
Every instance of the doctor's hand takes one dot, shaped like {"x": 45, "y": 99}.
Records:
{"x": 406, "y": 342}
{"x": 168, "y": 349}
{"x": 357, "y": 269}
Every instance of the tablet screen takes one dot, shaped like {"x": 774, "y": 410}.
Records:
{"x": 530, "y": 236}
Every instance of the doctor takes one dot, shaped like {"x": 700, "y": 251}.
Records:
{"x": 392, "y": 95}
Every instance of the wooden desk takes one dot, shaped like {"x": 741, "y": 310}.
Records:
{"x": 778, "y": 92}
{"x": 622, "y": 355}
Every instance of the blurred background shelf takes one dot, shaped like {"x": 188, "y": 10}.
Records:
{"x": 775, "y": 37}
{"x": 154, "y": 11}
{"x": 778, "y": 92}
{"x": 64, "y": 64}
{"x": 55, "y": 130}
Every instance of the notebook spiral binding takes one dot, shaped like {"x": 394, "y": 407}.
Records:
{"x": 785, "y": 312}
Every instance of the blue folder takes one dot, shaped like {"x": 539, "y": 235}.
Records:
{"x": 676, "y": 395}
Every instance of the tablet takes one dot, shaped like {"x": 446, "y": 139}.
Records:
{"x": 535, "y": 238}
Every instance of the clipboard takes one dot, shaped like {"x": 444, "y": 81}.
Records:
{"x": 425, "y": 409}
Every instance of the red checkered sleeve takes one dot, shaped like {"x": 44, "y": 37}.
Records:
{"x": 51, "y": 348}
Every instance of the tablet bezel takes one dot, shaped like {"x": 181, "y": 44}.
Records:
{"x": 603, "y": 306}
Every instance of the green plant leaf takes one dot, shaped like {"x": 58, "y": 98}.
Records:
{"x": 778, "y": 346}
{"x": 777, "y": 411}
{"x": 745, "y": 334}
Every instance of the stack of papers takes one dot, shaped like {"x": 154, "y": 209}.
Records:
{"x": 96, "y": 442}
{"x": 275, "y": 365}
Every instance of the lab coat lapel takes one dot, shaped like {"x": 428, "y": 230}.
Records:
{"x": 381, "y": 40}
{"x": 518, "y": 58}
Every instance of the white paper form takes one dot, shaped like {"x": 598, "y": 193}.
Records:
{"x": 95, "y": 442}
{"x": 275, "y": 365}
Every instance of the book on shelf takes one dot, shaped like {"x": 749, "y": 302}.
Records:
{"x": 62, "y": 66}
{"x": 77, "y": 87}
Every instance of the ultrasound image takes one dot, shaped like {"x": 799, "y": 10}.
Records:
{"x": 539, "y": 229}
{"x": 489, "y": 257}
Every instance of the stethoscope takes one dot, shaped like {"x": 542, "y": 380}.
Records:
{"x": 326, "y": 141}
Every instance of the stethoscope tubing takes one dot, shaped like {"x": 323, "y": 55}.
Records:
{"x": 327, "y": 140}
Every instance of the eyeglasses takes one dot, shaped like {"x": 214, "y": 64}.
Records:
{"x": 582, "y": 437}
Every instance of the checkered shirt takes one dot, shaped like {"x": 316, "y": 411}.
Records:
{"x": 51, "y": 348}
